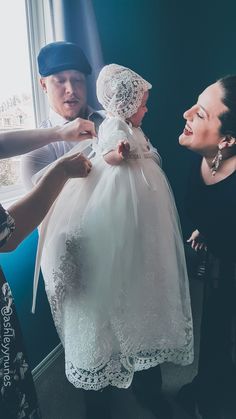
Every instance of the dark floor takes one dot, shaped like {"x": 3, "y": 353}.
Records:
{"x": 59, "y": 399}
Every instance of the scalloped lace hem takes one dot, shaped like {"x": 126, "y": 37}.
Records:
{"x": 119, "y": 371}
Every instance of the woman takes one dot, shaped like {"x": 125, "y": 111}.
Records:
{"x": 210, "y": 131}
{"x": 18, "y": 398}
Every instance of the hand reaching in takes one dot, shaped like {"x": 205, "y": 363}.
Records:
{"x": 75, "y": 165}
{"x": 77, "y": 130}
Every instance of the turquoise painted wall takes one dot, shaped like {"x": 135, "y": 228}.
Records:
{"x": 180, "y": 47}
{"x": 38, "y": 329}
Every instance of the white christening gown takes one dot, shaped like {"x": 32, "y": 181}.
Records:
{"x": 114, "y": 267}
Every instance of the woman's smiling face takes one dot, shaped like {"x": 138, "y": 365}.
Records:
{"x": 202, "y": 130}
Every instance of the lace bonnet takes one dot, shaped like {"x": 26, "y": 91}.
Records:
{"x": 120, "y": 90}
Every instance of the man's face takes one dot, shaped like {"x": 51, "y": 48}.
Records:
{"x": 67, "y": 93}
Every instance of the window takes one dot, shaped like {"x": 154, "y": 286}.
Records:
{"x": 23, "y": 30}
{"x": 16, "y": 102}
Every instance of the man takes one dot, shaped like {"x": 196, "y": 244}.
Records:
{"x": 63, "y": 68}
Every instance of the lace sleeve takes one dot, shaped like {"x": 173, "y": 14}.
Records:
{"x": 111, "y": 132}
{"x": 7, "y": 225}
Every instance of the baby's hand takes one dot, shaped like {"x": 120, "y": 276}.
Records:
{"x": 123, "y": 149}
{"x": 197, "y": 241}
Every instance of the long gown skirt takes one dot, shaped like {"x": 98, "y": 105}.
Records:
{"x": 115, "y": 274}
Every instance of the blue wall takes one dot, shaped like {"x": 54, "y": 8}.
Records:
{"x": 180, "y": 47}
{"x": 38, "y": 329}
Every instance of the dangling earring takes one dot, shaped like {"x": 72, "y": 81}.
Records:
{"x": 216, "y": 162}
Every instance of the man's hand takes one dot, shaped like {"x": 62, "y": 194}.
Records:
{"x": 77, "y": 130}
{"x": 75, "y": 165}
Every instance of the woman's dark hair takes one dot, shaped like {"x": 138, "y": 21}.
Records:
{"x": 228, "y": 118}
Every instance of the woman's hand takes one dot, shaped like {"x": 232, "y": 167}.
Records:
{"x": 77, "y": 130}
{"x": 75, "y": 165}
{"x": 197, "y": 241}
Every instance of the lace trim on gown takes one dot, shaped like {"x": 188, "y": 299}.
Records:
{"x": 118, "y": 368}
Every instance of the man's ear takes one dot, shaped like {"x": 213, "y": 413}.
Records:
{"x": 43, "y": 84}
{"x": 226, "y": 142}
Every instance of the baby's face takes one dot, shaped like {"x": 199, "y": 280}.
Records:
{"x": 137, "y": 118}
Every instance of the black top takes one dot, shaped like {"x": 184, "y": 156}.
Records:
{"x": 17, "y": 393}
{"x": 212, "y": 209}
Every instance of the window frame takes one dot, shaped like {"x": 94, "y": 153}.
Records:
{"x": 40, "y": 30}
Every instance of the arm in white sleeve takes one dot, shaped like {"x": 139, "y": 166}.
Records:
{"x": 111, "y": 132}
{"x": 33, "y": 162}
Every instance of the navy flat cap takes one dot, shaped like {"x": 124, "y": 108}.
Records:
{"x": 61, "y": 56}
